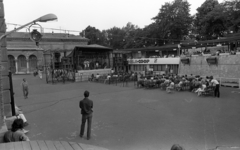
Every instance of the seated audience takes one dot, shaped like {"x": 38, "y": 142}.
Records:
{"x": 97, "y": 77}
{"x": 201, "y": 89}
{"x": 107, "y": 79}
{"x": 170, "y": 87}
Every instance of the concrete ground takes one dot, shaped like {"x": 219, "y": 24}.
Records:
{"x": 128, "y": 118}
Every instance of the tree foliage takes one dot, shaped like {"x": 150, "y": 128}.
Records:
{"x": 215, "y": 19}
{"x": 173, "y": 23}
{"x": 173, "y": 20}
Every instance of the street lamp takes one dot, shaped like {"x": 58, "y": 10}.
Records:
{"x": 45, "y": 18}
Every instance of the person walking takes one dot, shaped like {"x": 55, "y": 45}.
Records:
{"x": 86, "y": 106}
{"x": 25, "y": 88}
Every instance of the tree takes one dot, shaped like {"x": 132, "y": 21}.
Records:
{"x": 214, "y": 23}
{"x": 232, "y": 14}
{"x": 174, "y": 20}
{"x": 201, "y": 19}
{"x": 115, "y": 37}
{"x": 94, "y": 35}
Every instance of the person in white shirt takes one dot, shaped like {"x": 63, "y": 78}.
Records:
{"x": 201, "y": 89}
{"x": 97, "y": 77}
{"x": 216, "y": 85}
{"x": 170, "y": 87}
{"x": 107, "y": 79}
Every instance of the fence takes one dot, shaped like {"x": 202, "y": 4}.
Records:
{"x": 229, "y": 82}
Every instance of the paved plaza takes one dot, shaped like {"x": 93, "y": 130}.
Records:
{"x": 130, "y": 118}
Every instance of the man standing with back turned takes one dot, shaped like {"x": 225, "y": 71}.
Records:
{"x": 86, "y": 106}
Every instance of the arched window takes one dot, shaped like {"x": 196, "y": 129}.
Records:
{"x": 22, "y": 63}
{"x": 32, "y": 63}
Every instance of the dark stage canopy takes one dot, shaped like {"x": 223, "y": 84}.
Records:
{"x": 92, "y": 47}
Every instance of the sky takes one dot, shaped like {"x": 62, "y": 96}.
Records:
{"x": 76, "y": 15}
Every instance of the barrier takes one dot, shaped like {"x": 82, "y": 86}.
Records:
{"x": 229, "y": 82}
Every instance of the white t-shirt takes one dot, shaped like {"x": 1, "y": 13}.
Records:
{"x": 172, "y": 85}
{"x": 97, "y": 76}
{"x": 214, "y": 81}
{"x": 204, "y": 86}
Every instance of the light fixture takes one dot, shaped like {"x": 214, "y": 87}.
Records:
{"x": 45, "y": 18}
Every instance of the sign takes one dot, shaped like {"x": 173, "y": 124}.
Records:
{"x": 140, "y": 61}
{"x": 175, "y": 60}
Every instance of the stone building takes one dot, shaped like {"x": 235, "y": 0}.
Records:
{"x": 24, "y": 56}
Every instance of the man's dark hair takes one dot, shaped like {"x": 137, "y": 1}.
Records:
{"x": 17, "y": 124}
{"x": 86, "y": 94}
{"x": 177, "y": 147}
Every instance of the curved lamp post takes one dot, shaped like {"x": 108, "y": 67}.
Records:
{"x": 45, "y": 18}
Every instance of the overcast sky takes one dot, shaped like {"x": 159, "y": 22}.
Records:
{"x": 78, "y": 14}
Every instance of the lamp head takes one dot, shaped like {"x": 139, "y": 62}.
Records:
{"x": 45, "y": 18}
{"x": 36, "y": 36}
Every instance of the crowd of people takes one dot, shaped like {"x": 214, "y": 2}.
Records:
{"x": 171, "y": 82}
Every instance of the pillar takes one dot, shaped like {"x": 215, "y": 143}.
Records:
{"x": 5, "y": 105}
{"x": 16, "y": 65}
{"x": 27, "y": 59}
{"x": 111, "y": 59}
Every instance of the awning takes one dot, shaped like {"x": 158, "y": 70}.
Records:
{"x": 160, "y": 48}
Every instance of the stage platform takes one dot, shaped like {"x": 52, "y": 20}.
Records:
{"x": 83, "y": 75}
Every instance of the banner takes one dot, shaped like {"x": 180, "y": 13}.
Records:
{"x": 174, "y": 60}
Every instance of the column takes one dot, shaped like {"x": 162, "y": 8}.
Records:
{"x": 5, "y": 99}
{"x": 27, "y": 59}
{"x": 111, "y": 59}
{"x": 16, "y": 65}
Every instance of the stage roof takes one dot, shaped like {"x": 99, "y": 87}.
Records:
{"x": 163, "y": 48}
{"x": 223, "y": 41}
{"x": 89, "y": 47}
{"x": 92, "y": 46}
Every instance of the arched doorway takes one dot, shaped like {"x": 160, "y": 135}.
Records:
{"x": 32, "y": 63}
{"x": 11, "y": 62}
{"x": 22, "y": 63}
{"x": 57, "y": 57}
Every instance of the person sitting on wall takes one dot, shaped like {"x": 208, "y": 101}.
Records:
{"x": 16, "y": 133}
{"x": 20, "y": 115}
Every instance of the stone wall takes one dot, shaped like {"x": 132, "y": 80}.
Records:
{"x": 228, "y": 67}
{"x": 4, "y": 80}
